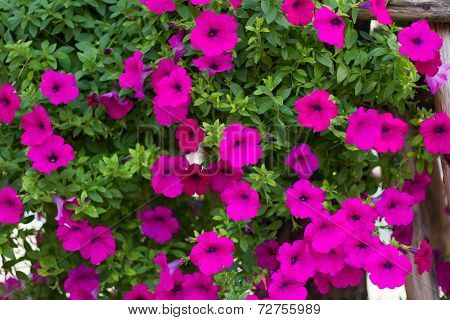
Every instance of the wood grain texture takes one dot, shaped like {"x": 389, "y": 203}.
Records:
{"x": 432, "y": 10}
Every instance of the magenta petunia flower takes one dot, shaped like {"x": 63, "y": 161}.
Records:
{"x": 330, "y": 27}
{"x": 316, "y": 110}
{"x": 37, "y": 127}
{"x": 298, "y": 12}
{"x": 359, "y": 246}
{"x": 73, "y": 234}
{"x": 176, "y": 43}
{"x": 215, "y": 64}
{"x": 59, "y": 87}
{"x": 266, "y": 255}
{"x": 423, "y": 258}
{"x": 347, "y": 277}
{"x": 159, "y": 224}
{"x": 116, "y": 109}
{"x": 322, "y": 282}
{"x": 11, "y": 206}
{"x": 435, "y": 82}
{"x": 189, "y": 135}
{"x": 302, "y": 161}
{"x": 417, "y": 187}
{"x": 359, "y": 216}
{"x": 235, "y": 3}
{"x": 214, "y": 33}
{"x": 63, "y": 214}
{"x": 388, "y": 268}
{"x": 418, "y": 42}
{"x": 174, "y": 89}
{"x": 431, "y": 67}
{"x": 165, "y": 67}
{"x": 200, "y": 2}
{"x": 297, "y": 256}
{"x": 395, "y": 207}
{"x": 330, "y": 263}
{"x": 212, "y": 253}
{"x": 403, "y": 234}
{"x": 436, "y": 133}
{"x": 378, "y": 8}
{"x": 393, "y": 131}
{"x": 242, "y": 202}
{"x": 364, "y": 128}
{"x": 326, "y": 232}
{"x": 443, "y": 276}
{"x": 304, "y": 200}
{"x": 93, "y": 100}
{"x": 101, "y": 244}
{"x": 166, "y": 114}
{"x": 81, "y": 280}
{"x": 199, "y": 286}
{"x": 287, "y": 285}
{"x": 175, "y": 290}
{"x": 9, "y": 103}
{"x": 240, "y": 146}
{"x": 160, "y": 6}
{"x": 166, "y": 175}
{"x": 134, "y": 74}
{"x": 195, "y": 180}
{"x": 223, "y": 175}
{"x": 52, "y": 154}
{"x": 139, "y": 292}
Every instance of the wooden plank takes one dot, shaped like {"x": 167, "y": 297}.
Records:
{"x": 431, "y": 10}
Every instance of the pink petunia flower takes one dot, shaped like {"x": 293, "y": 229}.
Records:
{"x": 160, "y": 6}
{"x": 195, "y": 180}
{"x": 116, "y": 109}
{"x": 166, "y": 175}
{"x": 330, "y": 27}
{"x": 436, "y": 133}
{"x": 393, "y": 131}
{"x": 101, "y": 244}
{"x": 240, "y": 146}
{"x": 37, "y": 127}
{"x": 189, "y": 135}
{"x": 359, "y": 246}
{"x": 359, "y": 216}
{"x": 330, "y": 263}
{"x": 81, "y": 280}
{"x": 166, "y": 114}
{"x": 403, "y": 234}
{"x": 52, "y": 154}
{"x": 63, "y": 214}
{"x": 200, "y": 286}
{"x": 93, "y": 100}
{"x": 212, "y": 253}
{"x": 266, "y": 255}
{"x": 171, "y": 280}
{"x": 11, "y": 206}
{"x": 316, "y": 110}
{"x": 378, "y": 8}
{"x": 214, "y": 33}
{"x": 298, "y": 12}
{"x": 302, "y": 161}
{"x": 431, "y": 67}
{"x": 241, "y": 200}
{"x": 176, "y": 43}
{"x": 215, "y": 64}
{"x": 287, "y": 285}
{"x": 364, "y": 128}
{"x": 297, "y": 256}
{"x": 322, "y": 282}
{"x": 134, "y": 74}
{"x": 304, "y": 200}
{"x": 174, "y": 89}
{"x": 423, "y": 258}
{"x": 443, "y": 275}
{"x": 223, "y": 175}
{"x": 418, "y": 42}
{"x": 388, "y": 268}
{"x": 159, "y": 224}
{"x": 73, "y": 234}
{"x": 235, "y": 3}
{"x": 139, "y": 292}
{"x": 347, "y": 277}
{"x": 200, "y": 2}
{"x": 417, "y": 187}
{"x": 9, "y": 103}
{"x": 395, "y": 207}
{"x": 165, "y": 68}
{"x": 59, "y": 87}
{"x": 435, "y": 82}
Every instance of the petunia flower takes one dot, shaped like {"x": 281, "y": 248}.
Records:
{"x": 175, "y": 291}
{"x": 37, "y": 127}
{"x": 364, "y": 128}
{"x": 393, "y": 131}
{"x": 139, "y": 292}
{"x": 443, "y": 275}
{"x": 116, "y": 109}
{"x": 266, "y": 255}
{"x": 242, "y": 202}
{"x": 189, "y": 135}
{"x": 166, "y": 178}
{"x": 240, "y": 146}
{"x": 436, "y": 133}
{"x": 359, "y": 246}
{"x": 73, "y": 234}
{"x": 330, "y": 27}
{"x": 167, "y": 113}
{"x": 322, "y": 282}
{"x": 200, "y": 2}
{"x": 214, "y": 33}
{"x": 134, "y": 74}
{"x": 215, "y": 64}
{"x": 59, "y": 87}
{"x": 418, "y": 42}
{"x": 212, "y": 253}
{"x": 316, "y": 110}
{"x": 302, "y": 161}
{"x": 359, "y": 216}
{"x": 235, "y": 3}
{"x": 395, "y": 207}
{"x": 160, "y": 6}
{"x": 304, "y": 200}
{"x": 101, "y": 244}
{"x": 287, "y": 285}
{"x": 403, "y": 234}
{"x": 52, "y": 154}
{"x": 176, "y": 43}
{"x": 430, "y": 67}
{"x": 330, "y": 263}
{"x": 378, "y": 8}
{"x": 199, "y": 286}
{"x": 165, "y": 68}
{"x": 223, "y": 175}
{"x": 298, "y": 12}
{"x": 63, "y": 214}
{"x": 435, "y": 82}
{"x": 423, "y": 257}
{"x": 93, "y": 100}
{"x": 9, "y": 103}
{"x": 347, "y": 277}
{"x": 297, "y": 256}
{"x": 159, "y": 224}
{"x": 11, "y": 206}
{"x": 82, "y": 279}
{"x": 417, "y": 187}
{"x": 174, "y": 89}
{"x": 195, "y": 180}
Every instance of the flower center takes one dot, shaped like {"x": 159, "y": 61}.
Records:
{"x": 196, "y": 176}
{"x": 385, "y": 129}
{"x": 317, "y": 107}
{"x": 392, "y": 205}
{"x": 356, "y": 217}
{"x": 178, "y": 87}
{"x": 176, "y": 288}
{"x": 362, "y": 245}
{"x": 166, "y": 171}
{"x": 336, "y": 21}
{"x": 53, "y": 158}
{"x": 212, "y": 250}
{"x": 439, "y": 130}
{"x": 5, "y": 101}
{"x": 55, "y": 88}
{"x": 417, "y": 41}
{"x": 303, "y": 198}
{"x": 214, "y": 66}
{"x": 296, "y": 4}
{"x": 212, "y": 33}
{"x": 387, "y": 265}
{"x": 293, "y": 260}
{"x": 41, "y": 126}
